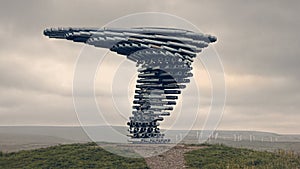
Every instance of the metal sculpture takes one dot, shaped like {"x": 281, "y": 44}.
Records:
{"x": 163, "y": 56}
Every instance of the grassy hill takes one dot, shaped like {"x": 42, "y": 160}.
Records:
{"x": 68, "y": 156}
{"x": 91, "y": 156}
{"x": 220, "y": 156}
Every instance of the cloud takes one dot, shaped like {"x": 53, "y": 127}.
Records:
{"x": 257, "y": 42}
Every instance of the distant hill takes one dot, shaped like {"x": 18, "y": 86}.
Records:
{"x": 16, "y": 142}
{"x": 14, "y": 138}
{"x": 74, "y": 133}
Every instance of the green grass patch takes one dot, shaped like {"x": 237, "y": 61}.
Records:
{"x": 220, "y": 156}
{"x": 68, "y": 156}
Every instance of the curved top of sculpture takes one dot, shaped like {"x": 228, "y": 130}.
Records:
{"x": 126, "y": 41}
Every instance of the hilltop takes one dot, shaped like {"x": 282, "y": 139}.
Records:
{"x": 89, "y": 155}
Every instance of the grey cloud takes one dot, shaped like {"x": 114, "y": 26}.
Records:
{"x": 256, "y": 118}
{"x": 21, "y": 107}
{"x": 255, "y": 38}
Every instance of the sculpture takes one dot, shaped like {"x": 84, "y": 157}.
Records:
{"x": 163, "y": 56}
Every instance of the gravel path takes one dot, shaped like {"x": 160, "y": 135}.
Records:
{"x": 174, "y": 158}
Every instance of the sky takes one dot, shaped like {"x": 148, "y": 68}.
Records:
{"x": 258, "y": 43}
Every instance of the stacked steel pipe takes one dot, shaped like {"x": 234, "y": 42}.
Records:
{"x": 163, "y": 56}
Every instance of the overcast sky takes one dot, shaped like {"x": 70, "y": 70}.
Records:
{"x": 258, "y": 42}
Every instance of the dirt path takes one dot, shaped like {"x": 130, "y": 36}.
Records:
{"x": 174, "y": 158}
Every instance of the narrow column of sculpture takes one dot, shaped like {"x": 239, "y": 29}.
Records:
{"x": 161, "y": 78}
{"x": 164, "y": 57}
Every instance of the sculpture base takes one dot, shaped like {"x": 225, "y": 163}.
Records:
{"x": 150, "y": 140}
